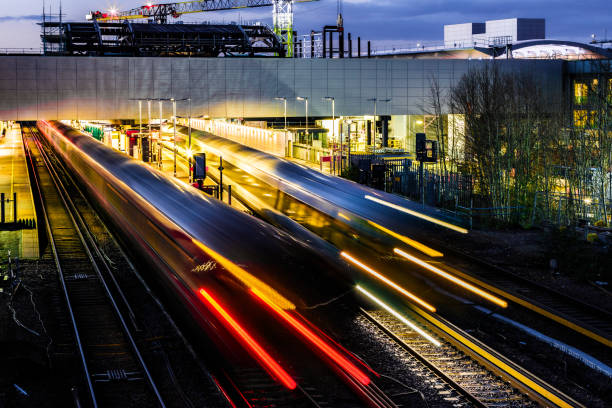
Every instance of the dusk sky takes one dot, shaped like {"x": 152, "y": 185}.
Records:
{"x": 387, "y": 22}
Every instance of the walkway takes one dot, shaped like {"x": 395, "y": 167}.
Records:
{"x": 14, "y": 178}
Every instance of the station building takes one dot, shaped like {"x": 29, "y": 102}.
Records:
{"x": 377, "y": 104}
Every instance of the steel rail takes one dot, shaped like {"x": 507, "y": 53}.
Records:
{"x": 439, "y": 372}
{"x": 80, "y": 227}
{"x": 60, "y": 274}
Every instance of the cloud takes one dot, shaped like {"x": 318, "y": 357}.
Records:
{"x": 17, "y": 18}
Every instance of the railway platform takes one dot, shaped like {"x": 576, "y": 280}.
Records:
{"x": 18, "y": 227}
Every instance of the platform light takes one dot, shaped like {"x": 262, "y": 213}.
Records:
{"x": 417, "y": 214}
{"x": 259, "y": 353}
{"x": 394, "y": 285}
{"x": 415, "y": 244}
{"x": 245, "y": 277}
{"x": 454, "y": 279}
{"x": 399, "y": 316}
{"x": 335, "y": 356}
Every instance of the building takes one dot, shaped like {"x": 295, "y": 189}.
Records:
{"x": 494, "y": 32}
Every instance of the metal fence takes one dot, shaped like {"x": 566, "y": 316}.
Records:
{"x": 563, "y": 209}
{"x": 432, "y": 186}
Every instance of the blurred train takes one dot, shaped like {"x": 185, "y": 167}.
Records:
{"x": 234, "y": 274}
{"x": 331, "y": 195}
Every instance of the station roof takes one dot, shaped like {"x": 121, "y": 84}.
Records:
{"x": 533, "y": 49}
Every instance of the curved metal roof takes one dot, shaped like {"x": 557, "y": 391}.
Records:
{"x": 603, "y": 52}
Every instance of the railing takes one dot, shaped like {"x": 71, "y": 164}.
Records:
{"x": 562, "y": 209}
{"x": 21, "y": 51}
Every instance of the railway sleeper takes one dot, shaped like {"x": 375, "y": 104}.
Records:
{"x": 117, "y": 375}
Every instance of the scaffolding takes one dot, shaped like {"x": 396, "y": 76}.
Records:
{"x": 310, "y": 45}
{"x": 52, "y": 32}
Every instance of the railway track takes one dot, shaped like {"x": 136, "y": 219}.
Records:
{"x": 464, "y": 381}
{"x": 114, "y": 371}
{"x": 583, "y": 318}
{"x": 470, "y": 373}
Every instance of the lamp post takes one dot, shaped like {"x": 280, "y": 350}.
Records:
{"x": 280, "y": 98}
{"x": 174, "y": 129}
{"x": 333, "y": 103}
{"x": 189, "y": 146}
{"x": 149, "y": 109}
{"x": 305, "y": 99}
{"x": 159, "y": 140}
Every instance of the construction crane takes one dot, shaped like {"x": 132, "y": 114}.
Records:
{"x": 282, "y": 13}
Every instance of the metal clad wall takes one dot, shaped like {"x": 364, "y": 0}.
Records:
{"x": 36, "y": 87}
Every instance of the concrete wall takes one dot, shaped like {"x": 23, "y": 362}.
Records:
{"x": 36, "y": 87}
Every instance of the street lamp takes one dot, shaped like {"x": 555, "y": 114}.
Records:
{"x": 189, "y": 147}
{"x": 174, "y": 130}
{"x": 333, "y": 103}
{"x": 305, "y": 99}
{"x": 280, "y": 98}
{"x": 159, "y": 140}
{"x": 149, "y": 110}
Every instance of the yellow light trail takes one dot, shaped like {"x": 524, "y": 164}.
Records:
{"x": 415, "y": 244}
{"x": 454, "y": 279}
{"x": 245, "y": 277}
{"x": 342, "y": 215}
{"x": 389, "y": 282}
{"x": 417, "y": 214}
{"x": 399, "y": 316}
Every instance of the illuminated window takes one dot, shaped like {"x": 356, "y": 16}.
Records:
{"x": 580, "y": 93}
{"x": 580, "y": 118}
{"x": 593, "y": 119}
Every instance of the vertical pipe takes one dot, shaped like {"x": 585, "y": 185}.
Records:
{"x": 324, "y": 43}
{"x": 331, "y": 44}
{"x": 229, "y": 194}
{"x": 2, "y": 219}
{"x": 358, "y": 47}
{"x": 14, "y": 207}
{"x": 341, "y": 42}
{"x": 369, "y": 49}
{"x": 350, "y": 46}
